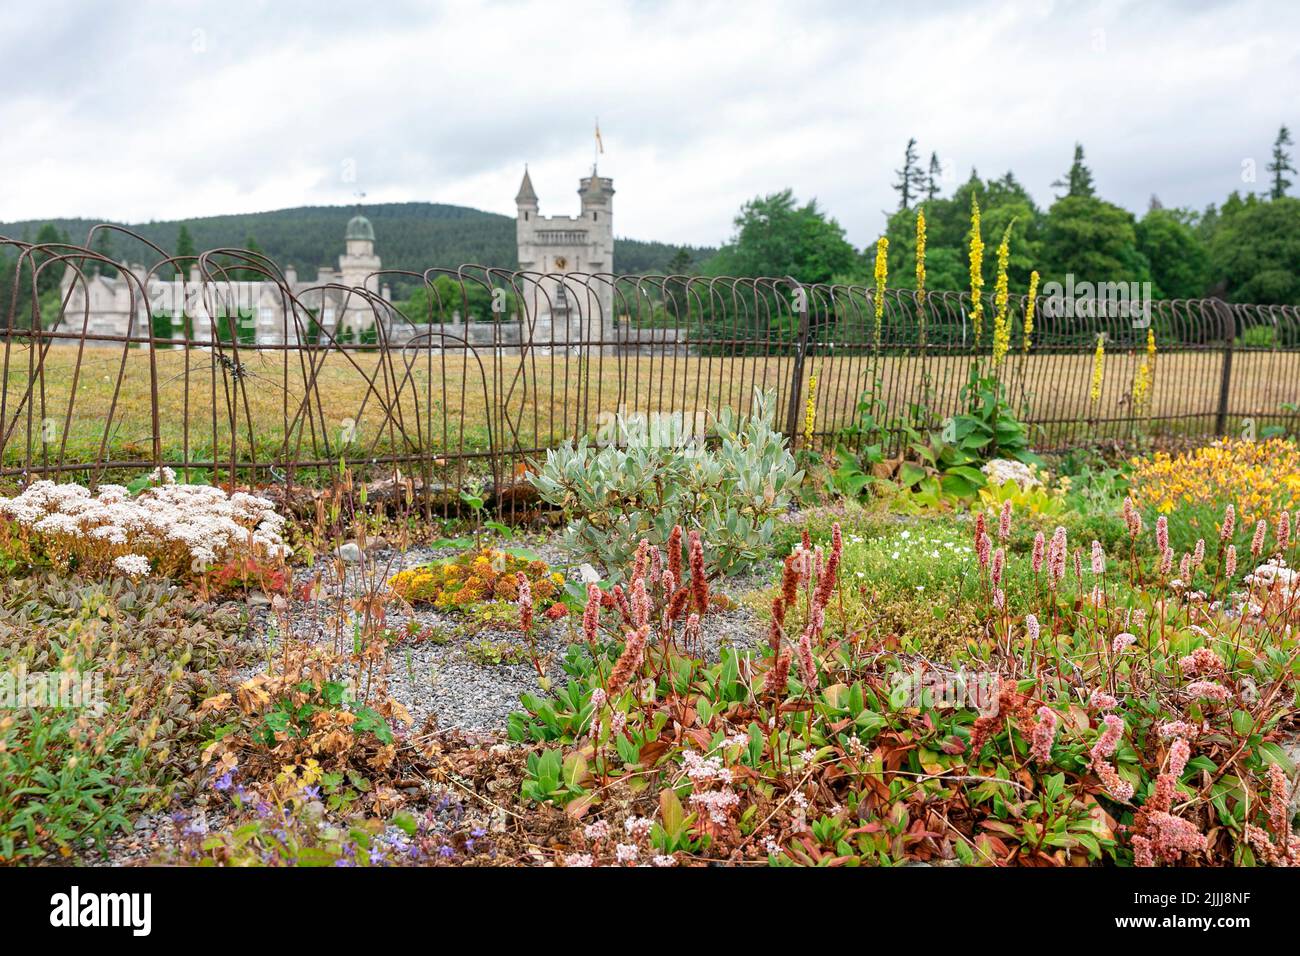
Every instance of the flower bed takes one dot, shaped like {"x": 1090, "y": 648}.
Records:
{"x": 171, "y": 530}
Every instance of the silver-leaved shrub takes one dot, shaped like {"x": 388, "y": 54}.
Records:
{"x": 730, "y": 487}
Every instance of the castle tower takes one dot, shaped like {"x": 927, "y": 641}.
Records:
{"x": 357, "y": 266}
{"x": 566, "y": 311}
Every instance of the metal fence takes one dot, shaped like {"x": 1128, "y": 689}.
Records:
{"x": 224, "y": 364}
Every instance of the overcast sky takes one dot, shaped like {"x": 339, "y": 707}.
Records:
{"x": 135, "y": 111}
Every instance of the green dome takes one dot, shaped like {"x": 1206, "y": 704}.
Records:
{"x": 359, "y": 228}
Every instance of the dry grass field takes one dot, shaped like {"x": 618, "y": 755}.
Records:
{"x": 285, "y": 404}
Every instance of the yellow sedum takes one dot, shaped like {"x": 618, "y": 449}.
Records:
{"x": 1260, "y": 479}
{"x": 475, "y": 577}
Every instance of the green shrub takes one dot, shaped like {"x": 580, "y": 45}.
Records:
{"x": 730, "y": 490}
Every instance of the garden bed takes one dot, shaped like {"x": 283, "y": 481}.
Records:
{"x": 1088, "y": 669}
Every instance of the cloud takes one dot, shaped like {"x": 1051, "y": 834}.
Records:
{"x": 198, "y": 109}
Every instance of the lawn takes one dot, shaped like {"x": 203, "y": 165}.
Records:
{"x": 308, "y": 406}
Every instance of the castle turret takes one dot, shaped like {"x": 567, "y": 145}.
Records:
{"x": 597, "y": 195}
{"x": 357, "y": 268}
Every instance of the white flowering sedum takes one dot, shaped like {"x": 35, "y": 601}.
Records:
{"x": 1002, "y": 470}
{"x": 170, "y": 529}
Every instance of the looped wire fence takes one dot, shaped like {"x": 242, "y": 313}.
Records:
{"x": 221, "y": 364}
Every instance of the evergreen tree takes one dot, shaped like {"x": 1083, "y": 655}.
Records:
{"x": 1255, "y": 250}
{"x": 50, "y": 276}
{"x": 1093, "y": 240}
{"x": 1078, "y": 181}
{"x": 184, "y": 248}
{"x": 911, "y": 178}
{"x": 104, "y": 246}
{"x": 681, "y": 264}
{"x": 933, "y": 177}
{"x": 1281, "y": 164}
{"x": 1169, "y": 240}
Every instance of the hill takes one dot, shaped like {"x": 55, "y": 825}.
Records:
{"x": 413, "y": 236}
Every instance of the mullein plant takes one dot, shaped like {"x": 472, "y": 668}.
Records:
{"x": 810, "y": 413}
{"x": 1142, "y": 380}
{"x": 920, "y": 277}
{"x": 976, "y": 251}
{"x": 1001, "y": 300}
{"x": 1031, "y": 304}
{"x": 1098, "y": 369}
{"x": 878, "y": 300}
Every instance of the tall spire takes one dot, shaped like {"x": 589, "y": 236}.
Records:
{"x": 526, "y": 191}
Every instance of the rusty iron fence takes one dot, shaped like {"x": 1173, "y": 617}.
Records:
{"x": 223, "y": 365}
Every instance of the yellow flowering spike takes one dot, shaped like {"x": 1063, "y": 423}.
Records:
{"x": 976, "y": 269}
{"x": 1001, "y": 298}
{"x": 882, "y": 273}
{"x": 1030, "y": 304}
{"x": 1145, "y": 376}
{"x": 810, "y": 412}
{"x": 1098, "y": 368}
{"x": 920, "y": 275}
{"x": 920, "y": 253}
{"x": 1142, "y": 387}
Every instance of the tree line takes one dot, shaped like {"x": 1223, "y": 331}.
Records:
{"x": 1246, "y": 249}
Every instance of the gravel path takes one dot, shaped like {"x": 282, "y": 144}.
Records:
{"x": 445, "y": 675}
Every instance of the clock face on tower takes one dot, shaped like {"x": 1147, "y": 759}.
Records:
{"x": 561, "y": 262}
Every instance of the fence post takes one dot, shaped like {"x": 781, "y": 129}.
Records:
{"x": 1229, "y": 327}
{"x": 796, "y": 371}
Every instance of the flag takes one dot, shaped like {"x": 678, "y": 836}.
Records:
{"x": 600, "y": 143}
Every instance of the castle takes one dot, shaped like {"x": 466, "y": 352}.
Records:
{"x": 566, "y": 285}
{"x": 576, "y": 254}
{"x": 102, "y": 305}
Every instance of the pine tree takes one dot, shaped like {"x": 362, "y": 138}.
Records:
{"x": 1078, "y": 181}
{"x": 184, "y": 249}
{"x": 104, "y": 246}
{"x": 681, "y": 263}
{"x": 1281, "y": 164}
{"x": 932, "y": 179}
{"x": 911, "y": 179}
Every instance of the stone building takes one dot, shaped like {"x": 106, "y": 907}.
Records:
{"x": 263, "y": 313}
{"x": 575, "y": 254}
